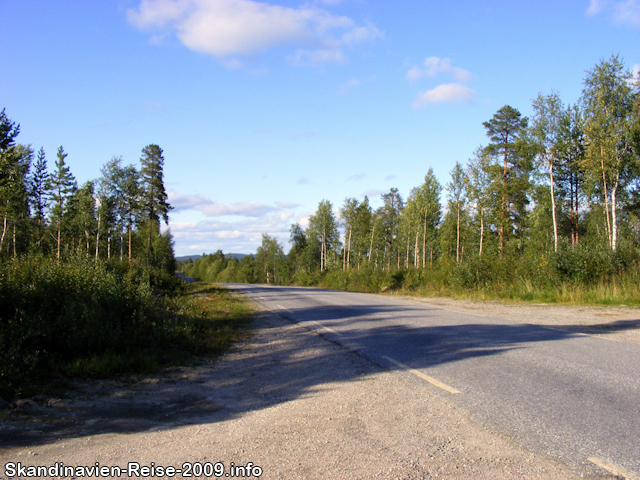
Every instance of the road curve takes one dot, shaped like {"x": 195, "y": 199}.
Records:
{"x": 572, "y": 396}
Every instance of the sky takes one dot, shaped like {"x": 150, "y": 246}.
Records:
{"x": 265, "y": 108}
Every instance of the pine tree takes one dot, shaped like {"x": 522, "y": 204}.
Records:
{"x": 153, "y": 198}
{"x": 510, "y": 173}
{"x": 62, "y": 186}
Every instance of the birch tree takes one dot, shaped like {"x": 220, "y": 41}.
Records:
{"x": 478, "y": 190}
{"x": 546, "y": 132}
{"x": 608, "y": 107}
{"x": 323, "y": 229}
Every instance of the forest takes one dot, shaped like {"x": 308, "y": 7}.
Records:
{"x": 547, "y": 210}
{"x": 87, "y": 282}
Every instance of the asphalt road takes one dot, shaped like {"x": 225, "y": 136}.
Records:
{"x": 572, "y": 396}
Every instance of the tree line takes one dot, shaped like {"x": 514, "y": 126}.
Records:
{"x": 556, "y": 194}
{"x": 44, "y": 211}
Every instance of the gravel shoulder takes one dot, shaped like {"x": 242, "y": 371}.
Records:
{"x": 289, "y": 401}
{"x": 617, "y": 323}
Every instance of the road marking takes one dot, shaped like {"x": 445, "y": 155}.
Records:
{"x": 614, "y": 469}
{"x": 432, "y": 381}
{"x": 316, "y": 323}
{"x": 325, "y": 328}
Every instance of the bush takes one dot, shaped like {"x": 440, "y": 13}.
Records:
{"x": 54, "y": 313}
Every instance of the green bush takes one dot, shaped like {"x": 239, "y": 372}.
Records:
{"x": 54, "y": 313}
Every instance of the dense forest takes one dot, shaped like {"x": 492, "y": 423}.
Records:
{"x": 548, "y": 209}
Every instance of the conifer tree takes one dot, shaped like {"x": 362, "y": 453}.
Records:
{"x": 153, "y": 197}
{"x": 62, "y": 186}
{"x": 38, "y": 194}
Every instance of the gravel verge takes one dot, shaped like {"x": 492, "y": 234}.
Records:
{"x": 285, "y": 399}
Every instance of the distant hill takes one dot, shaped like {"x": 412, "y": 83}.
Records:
{"x": 184, "y": 258}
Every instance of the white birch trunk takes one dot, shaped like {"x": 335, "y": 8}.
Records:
{"x": 614, "y": 216}
{"x": 553, "y": 209}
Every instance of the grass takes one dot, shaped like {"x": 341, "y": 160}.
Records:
{"x": 205, "y": 321}
{"x": 98, "y": 323}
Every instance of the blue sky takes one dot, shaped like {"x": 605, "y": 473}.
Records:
{"x": 263, "y": 109}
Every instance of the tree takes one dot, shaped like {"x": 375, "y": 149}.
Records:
{"x": 323, "y": 232}
{"x": 85, "y": 212}
{"x": 153, "y": 198}
{"x": 478, "y": 185}
{"x": 510, "y": 174}
{"x": 457, "y": 199}
{"x": 609, "y": 121}
{"x": 362, "y": 231}
{"x": 38, "y": 193}
{"x": 268, "y": 257}
{"x": 348, "y": 213}
{"x": 15, "y": 161}
{"x": 426, "y": 199}
{"x": 299, "y": 249}
{"x": 570, "y": 151}
{"x": 546, "y": 133}
{"x": 62, "y": 185}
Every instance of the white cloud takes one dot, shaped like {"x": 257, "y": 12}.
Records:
{"x": 635, "y": 72}
{"x": 210, "y": 208}
{"x": 622, "y": 11}
{"x": 226, "y": 29}
{"x": 446, "y": 93}
{"x": 434, "y": 66}
{"x": 242, "y": 236}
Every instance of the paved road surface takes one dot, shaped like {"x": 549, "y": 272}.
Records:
{"x": 572, "y": 396}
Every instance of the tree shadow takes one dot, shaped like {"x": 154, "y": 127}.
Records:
{"x": 273, "y": 372}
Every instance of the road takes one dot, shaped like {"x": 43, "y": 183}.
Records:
{"x": 572, "y": 396}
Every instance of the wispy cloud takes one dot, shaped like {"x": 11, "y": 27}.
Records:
{"x": 390, "y": 177}
{"x": 228, "y": 29}
{"x": 434, "y": 66}
{"x": 348, "y": 86}
{"x": 625, "y": 12}
{"x": 303, "y": 181}
{"x": 358, "y": 176}
{"x": 446, "y": 93}
{"x": 203, "y": 204}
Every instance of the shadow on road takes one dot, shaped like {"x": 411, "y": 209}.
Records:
{"x": 280, "y": 363}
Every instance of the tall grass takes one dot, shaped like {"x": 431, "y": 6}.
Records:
{"x": 572, "y": 276}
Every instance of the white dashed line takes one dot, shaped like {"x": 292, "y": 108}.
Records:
{"x": 614, "y": 469}
{"x": 417, "y": 373}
